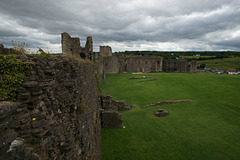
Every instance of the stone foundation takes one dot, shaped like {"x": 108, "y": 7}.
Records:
{"x": 111, "y": 119}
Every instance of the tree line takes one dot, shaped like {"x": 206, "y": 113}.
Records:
{"x": 178, "y": 54}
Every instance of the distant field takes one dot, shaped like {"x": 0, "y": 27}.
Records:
{"x": 205, "y": 129}
{"x": 222, "y": 64}
{"x": 196, "y": 57}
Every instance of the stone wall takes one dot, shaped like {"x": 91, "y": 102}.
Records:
{"x": 144, "y": 64}
{"x": 112, "y": 64}
{"x": 100, "y": 71}
{"x": 57, "y": 112}
{"x": 72, "y": 46}
{"x": 105, "y": 51}
{"x": 110, "y": 117}
{"x": 6, "y": 50}
{"x": 125, "y": 63}
{"x": 119, "y": 63}
{"x": 181, "y": 66}
{"x": 108, "y": 103}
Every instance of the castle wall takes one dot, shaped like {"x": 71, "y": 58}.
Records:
{"x": 105, "y": 51}
{"x": 72, "y": 46}
{"x": 180, "y": 66}
{"x": 141, "y": 63}
{"x": 57, "y": 112}
{"x": 111, "y": 64}
{"x": 99, "y": 67}
{"x": 89, "y": 48}
{"x": 124, "y": 63}
{"x": 193, "y": 66}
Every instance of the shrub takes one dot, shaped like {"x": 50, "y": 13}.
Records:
{"x": 20, "y": 47}
{"x": 12, "y": 72}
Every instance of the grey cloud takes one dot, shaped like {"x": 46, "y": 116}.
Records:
{"x": 126, "y": 21}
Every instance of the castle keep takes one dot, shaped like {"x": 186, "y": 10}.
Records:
{"x": 119, "y": 63}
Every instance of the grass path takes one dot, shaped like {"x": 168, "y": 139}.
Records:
{"x": 206, "y": 128}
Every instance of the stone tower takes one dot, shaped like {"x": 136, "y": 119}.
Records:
{"x": 89, "y": 48}
{"x": 72, "y": 46}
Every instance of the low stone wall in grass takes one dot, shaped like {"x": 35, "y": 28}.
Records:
{"x": 110, "y": 117}
{"x": 165, "y": 102}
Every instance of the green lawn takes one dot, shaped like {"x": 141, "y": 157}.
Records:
{"x": 222, "y": 64}
{"x": 207, "y": 128}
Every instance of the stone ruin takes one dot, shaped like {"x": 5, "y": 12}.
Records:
{"x": 180, "y": 65}
{"x": 72, "y": 46}
{"x": 161, "y": 112}
{"x": 119, "y": 63}
{"x": 6, "y": 50}
{"x": 110, "y": 117}
{"x": 108, "y": 104}
{"x": 105, "y": 51}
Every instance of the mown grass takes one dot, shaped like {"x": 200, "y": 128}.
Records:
{"x": 222, "y": 64}
{"x": 207, "y": 128}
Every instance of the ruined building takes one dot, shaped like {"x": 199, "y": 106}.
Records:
{"x": 119, "y": 63}
{"x": 125, "y": 63}
{"x": 105, "y": 51}
{"x": 72, "y": 46}
{"x": 181, "y": 66}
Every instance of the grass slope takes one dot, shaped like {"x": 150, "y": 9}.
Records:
{"x": 207, "y": 128}
{"x": 222, "y": 64}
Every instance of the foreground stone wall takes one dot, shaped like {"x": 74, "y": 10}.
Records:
{"x": 57, "y": 112}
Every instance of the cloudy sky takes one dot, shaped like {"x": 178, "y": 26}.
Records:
{"x": 163, "y": 25}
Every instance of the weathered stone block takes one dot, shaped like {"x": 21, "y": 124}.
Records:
{"x": 161, "y": 112}
{"x": 111, "y": 119}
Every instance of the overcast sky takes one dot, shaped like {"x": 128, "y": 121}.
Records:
{"x": 163, "y": 25}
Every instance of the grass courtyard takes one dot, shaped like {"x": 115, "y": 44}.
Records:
{"x": 207, "y": 128}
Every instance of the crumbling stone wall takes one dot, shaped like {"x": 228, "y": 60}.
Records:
{"x": 100, "y": 71}
{"x": 105, "y": 51}
{"x": 144, "y": 64}
{"x": 110, "y": 117}
{"x": 181, "y": 66}
{"x": 193, "y": 66}
{"x": 125, "y": 63}
{"x": 112, "y": 64}
{"x": 57, "y": 113}
{"x": 108, "y": 103}
{"x": 72, "y": 46}
{"x": 4, "y": 50}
